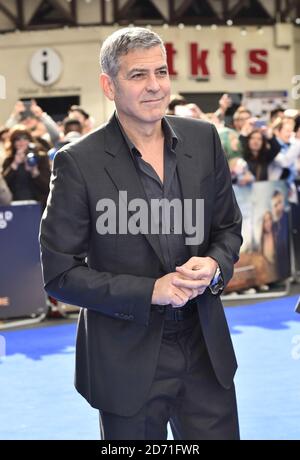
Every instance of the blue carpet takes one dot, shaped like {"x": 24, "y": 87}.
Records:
{"x": 38, "y": 400}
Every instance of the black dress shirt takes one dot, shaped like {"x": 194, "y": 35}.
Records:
{"x": 172, "y": 242}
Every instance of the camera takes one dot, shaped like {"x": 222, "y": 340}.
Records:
{"x": 31, "y": 157}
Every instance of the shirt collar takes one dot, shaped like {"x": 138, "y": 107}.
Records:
{"x": 170, "y": 136}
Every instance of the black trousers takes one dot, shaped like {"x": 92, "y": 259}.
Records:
{"x": 184, "y": 392}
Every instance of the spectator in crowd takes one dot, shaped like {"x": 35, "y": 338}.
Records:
{"x": 72, "y": 132}
{"x": 230, "y": 143}
{"x": 240, "y": 117}
{"x": 278, "y": 112}
{"x": 5, "y": 193}
{"x": 225, "y": 102}
{"x": 283, "y": 165}
{"x": 78, "y": 113}
{"x": 26, "y": 175}
{"x": 38, "y": 122}
{"x": 72, "y": 125}
{"x": 259, "y": 152}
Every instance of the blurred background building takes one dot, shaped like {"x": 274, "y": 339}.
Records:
{"x": 249, "y": 49}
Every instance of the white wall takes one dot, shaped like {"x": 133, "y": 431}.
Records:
{"x": 79, "y": 50}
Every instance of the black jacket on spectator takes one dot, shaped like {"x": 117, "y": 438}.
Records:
{"x": 23, "y": 186}
{"x": 259, "y": 165}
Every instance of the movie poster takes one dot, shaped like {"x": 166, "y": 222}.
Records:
{"x": 265, "y": 253}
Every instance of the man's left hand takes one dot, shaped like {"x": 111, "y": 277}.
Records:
{"x": 197, "y": 272}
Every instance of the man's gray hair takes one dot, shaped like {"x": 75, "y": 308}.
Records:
{"x": 121, "y": 42}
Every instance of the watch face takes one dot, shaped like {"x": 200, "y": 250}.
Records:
{"x": 217, "y": 283}
{"x": 216, "y": 277}
{"x": 216, "y": 288}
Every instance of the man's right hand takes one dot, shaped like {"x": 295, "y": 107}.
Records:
{"x": 165, "y": 292}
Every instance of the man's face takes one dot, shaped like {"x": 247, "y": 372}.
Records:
{"x": 241, "y": 120}
{"x": 285, "y": 133}
{"x": 141, "y": 91}
{"x": 277, "y": 207}
{"x": 21, "y": 143}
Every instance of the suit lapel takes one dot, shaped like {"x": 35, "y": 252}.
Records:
{"x": 123, "y": 173}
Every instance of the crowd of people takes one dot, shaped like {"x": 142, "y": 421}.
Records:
{"x": 256, "y": 149}
{"x": 28, "y": 142}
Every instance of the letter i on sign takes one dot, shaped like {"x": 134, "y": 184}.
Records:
{"x": 45, "y": 67}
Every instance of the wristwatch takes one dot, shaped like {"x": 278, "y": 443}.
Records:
{"x": 217, "y": 283}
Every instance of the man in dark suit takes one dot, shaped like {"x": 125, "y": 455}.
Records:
{"x": 153, "y": 344}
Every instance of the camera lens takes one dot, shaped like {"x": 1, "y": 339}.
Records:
{"x": 31, "y": 159}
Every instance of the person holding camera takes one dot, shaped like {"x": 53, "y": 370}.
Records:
{"x": 38, "y": 122}
{"x": 26, "y": 170}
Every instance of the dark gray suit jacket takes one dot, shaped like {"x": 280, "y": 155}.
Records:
{"x": 112, "y": 276}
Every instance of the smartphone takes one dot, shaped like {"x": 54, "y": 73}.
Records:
{"x": 27, "y": 104}
{"x": 260, "y": 124}
{"x": 27, "y": 112}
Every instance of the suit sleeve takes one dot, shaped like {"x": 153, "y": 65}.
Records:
{"x": 225, "y": 236}
{"x": 64, "y": 241}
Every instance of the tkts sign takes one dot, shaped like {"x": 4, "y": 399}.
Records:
{"x": 199, "y": 61}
